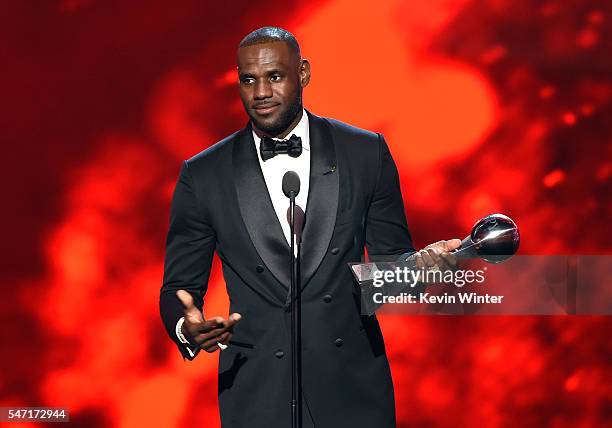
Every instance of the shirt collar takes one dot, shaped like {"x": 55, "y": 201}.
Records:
{"x": 301, "y": 130}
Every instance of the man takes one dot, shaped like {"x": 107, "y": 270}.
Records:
{"x": 228, "y": 198}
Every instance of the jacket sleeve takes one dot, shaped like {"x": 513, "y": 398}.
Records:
{"x": 190, "y": 245}
{"x": 387, "y": 234}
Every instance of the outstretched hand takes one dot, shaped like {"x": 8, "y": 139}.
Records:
{"x": 206, "y": 334}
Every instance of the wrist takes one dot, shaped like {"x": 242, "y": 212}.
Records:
{"x": 181, "y": 334}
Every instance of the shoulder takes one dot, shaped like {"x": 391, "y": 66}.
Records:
{"x": 352, "y": 136}
{"x": 213, "y": 155}
{"x": 344, "y": 129}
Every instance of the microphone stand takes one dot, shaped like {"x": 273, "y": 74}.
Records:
{"x": 296, "y": 322}
{"x": 296, "y": 218}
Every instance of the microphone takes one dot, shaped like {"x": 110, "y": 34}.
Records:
{"x": 291, "y": 184}
{"x": 291, "y": 188}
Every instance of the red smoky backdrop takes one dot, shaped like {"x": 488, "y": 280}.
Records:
{"x": 487, "y": 106}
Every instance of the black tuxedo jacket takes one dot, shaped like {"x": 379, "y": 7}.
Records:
{"x": 221, "y": 203}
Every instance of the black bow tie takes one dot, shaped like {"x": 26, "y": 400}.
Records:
{"x": 270, "y": 147}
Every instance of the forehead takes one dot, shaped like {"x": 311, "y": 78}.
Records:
{"x": 265, "y": 55}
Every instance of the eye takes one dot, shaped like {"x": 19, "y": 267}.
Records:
{"x": 275, "y": 78}
{"x": 247, "y": 80}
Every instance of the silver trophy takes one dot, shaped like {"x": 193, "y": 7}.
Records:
{"x": 494, "y": 238}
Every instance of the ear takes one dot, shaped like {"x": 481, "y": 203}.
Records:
{"x": 304, "y": 72}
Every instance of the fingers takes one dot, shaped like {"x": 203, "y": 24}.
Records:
{"x": 206, "y": 327}
{"x": 418, "y": 260}
{"x": 192, "y": 313}
{"x": 449, "y": 260}
{"x": 211, "y": 324}
{"x": 424, "y": 259}
{"x": 225, "y": 338}
{"x": 219, "y": 324}
{"x": 434, "y": 254}
{"x": 215, "y": 330}
{"x": 222, "y": 327}
{"x": 212, "y": 334}
{"x": 437, "y": 254}
{"x": 206, "y": 340}
{"x": 428, "y": 259}
{"x": 212, "y": 345}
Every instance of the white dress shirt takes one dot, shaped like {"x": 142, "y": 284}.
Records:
{"x": 273, "y": 171}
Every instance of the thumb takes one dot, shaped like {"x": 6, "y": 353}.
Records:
{"x": 452, "y": 244}
{"x": 192, "y": 313}
{"x": 233, "y": 319}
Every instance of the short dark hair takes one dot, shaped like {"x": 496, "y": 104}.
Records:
{"x": 271, "y": 34}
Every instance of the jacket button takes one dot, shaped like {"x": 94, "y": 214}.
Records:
{"x": 279, "y": 354}
{"x": 338, "y": 342}
{"x": 335, "y": 250}
{"x": 327, "y": 298}
{"x": 259, "y": 268}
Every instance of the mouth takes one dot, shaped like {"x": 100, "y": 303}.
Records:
{"x": 265, "y": 109}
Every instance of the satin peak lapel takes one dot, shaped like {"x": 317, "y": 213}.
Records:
{"x": 322, "y": 205}
{"x": 258, "y": 212}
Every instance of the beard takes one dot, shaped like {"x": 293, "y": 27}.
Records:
{"x": 284, "y": 120}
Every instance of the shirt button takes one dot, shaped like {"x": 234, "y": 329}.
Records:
{"x": 335, "y": 250}
{"x": 327, "y": 298}
{"x": 259, "y": 268}
{"x": 338, "y": 342}
{"x": 279, "y": 354}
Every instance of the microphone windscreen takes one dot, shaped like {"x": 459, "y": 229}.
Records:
{"x": 298, "y": 221}
{"x": 291, "y": 183}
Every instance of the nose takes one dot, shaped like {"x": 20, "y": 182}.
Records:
{"x": 263, "y": 89}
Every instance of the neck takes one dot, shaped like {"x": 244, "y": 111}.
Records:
{"x": 282, "y": 134}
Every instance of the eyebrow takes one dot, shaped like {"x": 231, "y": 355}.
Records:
{"x": 267, "y": 73}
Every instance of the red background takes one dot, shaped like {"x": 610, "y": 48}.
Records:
{"x": 488, "y": 106}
